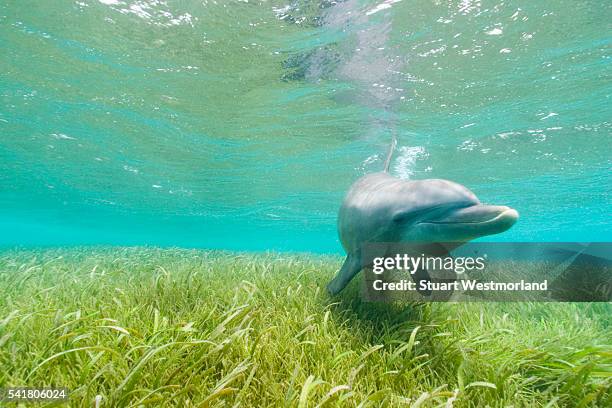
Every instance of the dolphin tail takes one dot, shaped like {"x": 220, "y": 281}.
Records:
{"x": 350, "y": 268}
{"x": 391, "y": 150}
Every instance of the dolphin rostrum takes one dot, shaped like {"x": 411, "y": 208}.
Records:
{"x": 380, "y": 208}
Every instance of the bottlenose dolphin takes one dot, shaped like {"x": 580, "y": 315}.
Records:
{"x": 380, "y": 208}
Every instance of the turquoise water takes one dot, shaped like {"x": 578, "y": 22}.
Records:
{"x": 241, "y": 124}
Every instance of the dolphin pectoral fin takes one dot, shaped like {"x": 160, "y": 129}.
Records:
{"x": 350, "y": 268}
{"x": 422, "y": 274}
{"x": 419, "y": 276}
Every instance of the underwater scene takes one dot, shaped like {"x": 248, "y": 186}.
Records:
{"x": 188, "y": 188}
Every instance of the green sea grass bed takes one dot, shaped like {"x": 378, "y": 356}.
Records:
{"x": 167, "y": 327}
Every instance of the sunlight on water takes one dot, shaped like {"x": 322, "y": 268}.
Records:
{"x": 241, "y": 124}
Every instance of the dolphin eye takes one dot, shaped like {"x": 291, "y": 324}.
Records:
{"x": 416, "y": 214}
{"x": 402, "y": 217}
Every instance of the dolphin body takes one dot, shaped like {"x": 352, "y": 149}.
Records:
{"x": 380, "y": 208}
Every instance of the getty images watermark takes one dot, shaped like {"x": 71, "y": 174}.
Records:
{"x": 479, "y": 271}
{"x": 459, "y": 266}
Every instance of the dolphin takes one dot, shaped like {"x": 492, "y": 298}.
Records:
{"x": 381, "y": 208}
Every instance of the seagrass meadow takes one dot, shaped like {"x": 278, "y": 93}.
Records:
{"x": 154, "y": 327}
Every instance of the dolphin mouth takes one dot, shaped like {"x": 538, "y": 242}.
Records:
{"x": 478, "y": 215}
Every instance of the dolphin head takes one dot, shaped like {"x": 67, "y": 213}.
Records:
{"x": 449, "y": 212}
